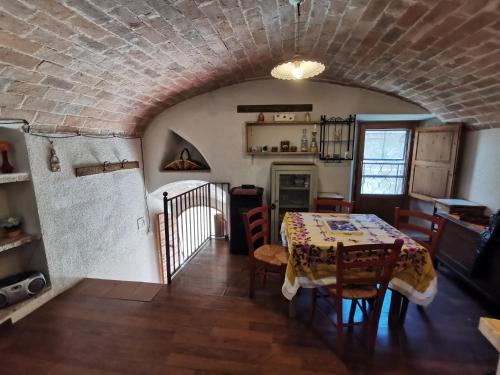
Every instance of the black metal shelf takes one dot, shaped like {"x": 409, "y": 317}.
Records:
{"x": 333, "y": 145}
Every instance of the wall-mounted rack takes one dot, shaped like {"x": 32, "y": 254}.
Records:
{"x": 336, "y": 138}
{"x": 106, "y": 167}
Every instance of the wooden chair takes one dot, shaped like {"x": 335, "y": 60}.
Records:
{"x": 332, "y": 205}
{"x": 432, "y": 231}
{"x": 432, "y": 235}
{"x": 263, "y": 257}
{"x": 356, "y": 285}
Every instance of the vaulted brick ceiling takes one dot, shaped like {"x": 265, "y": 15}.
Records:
{"x": 113, "y": 64}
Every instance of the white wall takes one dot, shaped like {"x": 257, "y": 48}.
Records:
{"x": 89, "y": 224}
{"x": 479, "y": 175}
{"x": 210, "y": 122}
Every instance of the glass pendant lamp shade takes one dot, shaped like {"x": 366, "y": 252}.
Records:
{"x": 297, "y": 69}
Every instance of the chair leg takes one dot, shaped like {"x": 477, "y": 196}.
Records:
{"x": 314, "y": 295}
{"x": 352, "y": 311}
{"x": 404, "y": 309}
{"x": 251, "y": 291}
{"x": 340, "y": 327}
{"x": 374, "y": 326}
{"x": 264, "y": 278}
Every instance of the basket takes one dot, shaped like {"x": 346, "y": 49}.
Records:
{"x": 184, "y": 163}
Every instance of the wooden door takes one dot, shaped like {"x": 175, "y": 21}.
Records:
{"x": 382, "y": 169}
{"x": 434, "y": 161}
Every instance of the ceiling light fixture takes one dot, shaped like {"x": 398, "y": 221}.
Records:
{"x": 297, "y": 68}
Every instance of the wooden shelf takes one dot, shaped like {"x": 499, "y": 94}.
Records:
{"x": 282, "y": 153}
{"x": 255, "y": 123}
{"x": 7, "y": 178}
{"x": 11, "y": 243}
{"x": 23, "y": 308}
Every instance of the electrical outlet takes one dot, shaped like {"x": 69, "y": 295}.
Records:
{"x": 141, "y": 223}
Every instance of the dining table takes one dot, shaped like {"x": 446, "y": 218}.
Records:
{"x": 312, "y": 238}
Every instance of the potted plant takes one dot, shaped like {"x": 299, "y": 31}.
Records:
{"x": 12, "y": 225}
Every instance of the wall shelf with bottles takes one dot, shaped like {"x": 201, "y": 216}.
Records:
{"x": 262, "y": 136}
{"x": 336, "y": 138}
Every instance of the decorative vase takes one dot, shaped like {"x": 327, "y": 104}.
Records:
{"x": 260, "y": 118}
{"x": 6, "y": 167}
{"x": 307, "y": 117}
{"x": 14, "y": 232}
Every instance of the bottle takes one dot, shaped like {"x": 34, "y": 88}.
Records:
{"x": 303, "y": 142}
{"x": 314, "y": 145}
{"x": 307, "y": 117}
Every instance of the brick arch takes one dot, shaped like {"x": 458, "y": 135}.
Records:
{"x": 111, "y": 65}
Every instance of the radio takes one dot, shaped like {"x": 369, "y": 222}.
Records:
{"x": 20, "y": 287}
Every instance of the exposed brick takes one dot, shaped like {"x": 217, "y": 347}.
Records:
{"x": 56, "y": 82}
{"x": 89, "y": 10}
{"x": 44, "y": 118}
{"x": 17, "y": 43}
{"x": 16, "y": 8}
{"x": 18, "y": 59}
{"x": 51, "y": 24}
{"x": 38, "y": 104}
{"x": 10, "y": 100}
{"x": 116, "y": 63}
{"x": 25, "y": 88}
{"x": 13, "y": 24}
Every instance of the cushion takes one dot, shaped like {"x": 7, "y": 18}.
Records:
{"x": 355, "y": 291}
{"x": 272, "y": 254}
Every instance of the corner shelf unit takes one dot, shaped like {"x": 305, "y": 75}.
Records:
{"x": 7, "y": 178}
{"x": 270, "y": 134}
{"x": 26, "y": 252}
{"x": 12, "y": 243}
{"x": 336, "y": 138}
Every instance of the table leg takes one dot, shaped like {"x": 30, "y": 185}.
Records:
{"x": 292, "y": 312}
{"x": 395, "y": 308}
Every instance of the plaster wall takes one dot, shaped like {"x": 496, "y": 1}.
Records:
{"x": 479, "y": 174}
{"x": 89, "y": 224}
{"x": 211, "y": 124}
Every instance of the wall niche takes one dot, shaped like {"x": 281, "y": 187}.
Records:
{"x": 182, "y": 155}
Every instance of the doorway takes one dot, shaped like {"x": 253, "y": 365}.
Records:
{"x": 381, "y": 179}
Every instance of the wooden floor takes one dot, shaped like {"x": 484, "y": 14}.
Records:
{"x": 204, "y": 323}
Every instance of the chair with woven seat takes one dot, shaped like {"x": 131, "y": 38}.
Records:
{"x": 328, "y": 205}
{"x": 363, "y": 273}
{"x": 264, "y": 257}
{"x": 427, "y": 236}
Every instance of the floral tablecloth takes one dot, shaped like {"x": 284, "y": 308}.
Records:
{"x": 312, "y": 239}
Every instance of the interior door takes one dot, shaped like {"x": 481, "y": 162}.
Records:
{"x": 383, "y": 167}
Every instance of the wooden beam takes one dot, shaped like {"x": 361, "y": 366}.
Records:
{"x": 257, "y": 108}
{"x": 105, "y": 168}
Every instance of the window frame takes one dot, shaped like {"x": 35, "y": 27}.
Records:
{"x": 405, "y": 161}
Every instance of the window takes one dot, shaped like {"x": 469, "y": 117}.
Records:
{"x": 384, "y": 162}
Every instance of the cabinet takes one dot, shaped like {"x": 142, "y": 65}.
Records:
{"x": 26, "y": 252}
{"x": 293, "y": 188}
{"x": 457, "y": 251}
{"x": 242, "y": 200}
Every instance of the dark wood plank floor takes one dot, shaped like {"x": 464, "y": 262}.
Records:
{"x": 204, "y": 323}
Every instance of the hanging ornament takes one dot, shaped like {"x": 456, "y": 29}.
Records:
{"x": 55, "y": 165}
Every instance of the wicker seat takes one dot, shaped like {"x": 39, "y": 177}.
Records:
{"x": 355, "y": 291}
{"x": 272, "y": 254}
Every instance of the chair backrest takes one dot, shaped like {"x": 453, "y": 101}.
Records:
{"x": 369, "y": 264}
{"x": 329, "y": 205}
{"x": 433, "y": 231}
{"x": 256, "y": 223}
